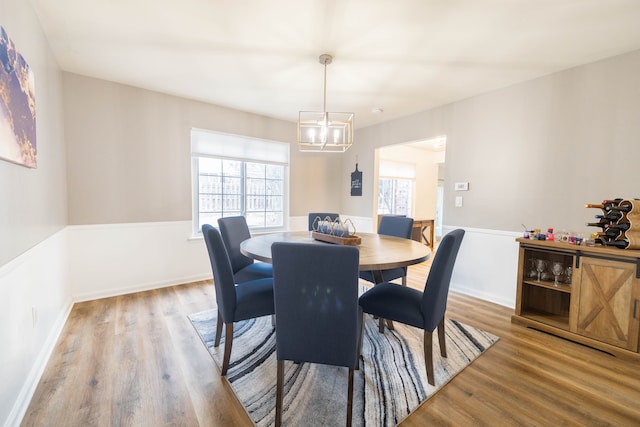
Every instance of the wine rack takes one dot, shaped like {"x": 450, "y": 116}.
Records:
{"x": 620, "y": 223}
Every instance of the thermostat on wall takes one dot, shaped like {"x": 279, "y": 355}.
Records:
{"x": 462, "y": 186}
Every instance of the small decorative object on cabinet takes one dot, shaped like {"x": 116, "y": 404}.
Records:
{"x": 590, "y": 295}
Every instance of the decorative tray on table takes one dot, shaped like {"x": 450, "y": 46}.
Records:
{"x": 337, "y": 232}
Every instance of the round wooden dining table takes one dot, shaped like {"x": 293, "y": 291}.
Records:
{"x": 377, "y": 252}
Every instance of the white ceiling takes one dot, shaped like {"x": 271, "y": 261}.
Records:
{"x": 403, "y": 56}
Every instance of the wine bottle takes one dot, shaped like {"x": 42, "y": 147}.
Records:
{"x": 606, "y": 205}
{"x": 611, "y": 216}
{"x": 601, "y": 224}
{"x": 626, "y": 208}
{"x": 602, "y": 206}
{"x": 609, "y": 234}
{"x": 621, "y": 243}
{"x": 622, "y": 226}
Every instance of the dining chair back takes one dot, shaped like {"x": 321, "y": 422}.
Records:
{"x": 436, "y": 290}
{"x": 235, "y": 302}
{"x": 424, "y": 310}
{"x": 322, "y": 215}
{"x": 318, "y": 319}
{"x": 234, "y": 230}
{"x": 397, "y": 226}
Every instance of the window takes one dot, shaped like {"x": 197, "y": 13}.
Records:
{"x": 395, "y": 188}
{"x": 234, "y": 175}
{"x": 394, "y": 196}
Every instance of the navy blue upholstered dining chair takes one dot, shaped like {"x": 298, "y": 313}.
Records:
{"x": 235, "y": 302}
{"x": 398, "y": 226}
{"x": 424, "y": 310}
{"x": 318, "y": 319}
{"x": 234, "y": 230}
{"x": 323, "y": 215}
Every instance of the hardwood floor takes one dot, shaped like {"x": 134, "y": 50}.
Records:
{"x": 135, "y": 360}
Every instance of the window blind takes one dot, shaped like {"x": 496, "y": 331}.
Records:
{"x": 391, "y": 169}
{"x": 208, "y": 143}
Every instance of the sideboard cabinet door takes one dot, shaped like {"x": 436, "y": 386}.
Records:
{"x": 607, "y": 302}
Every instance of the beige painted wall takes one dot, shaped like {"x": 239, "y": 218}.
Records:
{"x": 33, "y": 202}
{"x": 533, "y": 153}
{"x": 129, "y": 153}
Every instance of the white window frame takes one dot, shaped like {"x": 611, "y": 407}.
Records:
{"x": 395, "y": 171}
{"x": 225, "y": 146}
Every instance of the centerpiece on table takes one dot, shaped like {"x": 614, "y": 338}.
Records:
{"x": 338, "y": 231}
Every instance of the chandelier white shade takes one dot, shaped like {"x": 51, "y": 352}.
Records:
{"x": 323, "y": 131}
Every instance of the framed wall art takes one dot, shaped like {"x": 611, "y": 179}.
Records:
{"x": 356, "y": 182}
{"x": 17, "y": 106}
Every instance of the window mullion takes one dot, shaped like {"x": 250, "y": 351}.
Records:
{"x": 243, "y": 183}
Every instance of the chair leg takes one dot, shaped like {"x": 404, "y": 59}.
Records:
{"x": 360, "y": 343}
{"x": 381, "y": 325}
{"x": 441, "y": 340}
{"x": 390, "y": 325}
{"x": 279, "y": 391}
{"x": 218, "y": 330}
{"x": 228, "y": 342}
{"x": 428, "y": 356}
{"x": 350, "y": 397}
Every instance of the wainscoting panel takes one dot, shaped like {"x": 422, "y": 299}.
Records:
{"x": 34, "y": 304}
{"x": 116, "y": 259}
{"x": 487, "y": 265}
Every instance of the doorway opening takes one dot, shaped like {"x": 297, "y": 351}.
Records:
{"x": 409, "y": 180}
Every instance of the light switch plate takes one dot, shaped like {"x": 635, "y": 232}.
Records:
{"x": 458, "y": 201}
{"x": 462, "y": 186}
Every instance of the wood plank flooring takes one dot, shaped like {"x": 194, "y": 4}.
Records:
{"x": 135, "y": 360}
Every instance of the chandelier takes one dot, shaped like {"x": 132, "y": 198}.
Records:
{"x": 323, "y": 131}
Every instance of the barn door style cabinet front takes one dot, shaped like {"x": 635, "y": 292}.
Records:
{"x": 590, "y": 295}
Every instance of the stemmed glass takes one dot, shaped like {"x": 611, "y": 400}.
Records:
{"x": 541, "y": 265}
{"x": 568, "y": 274}
{"x": 532, "y": 271}
{"x": 557, "y": 269}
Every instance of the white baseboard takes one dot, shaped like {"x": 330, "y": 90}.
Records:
{"x": 138, "y": 287}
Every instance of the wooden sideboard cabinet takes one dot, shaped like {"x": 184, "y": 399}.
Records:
{"x": 594, "y": 301}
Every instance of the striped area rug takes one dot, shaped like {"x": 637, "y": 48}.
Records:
{"x": 391, "y": 383}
